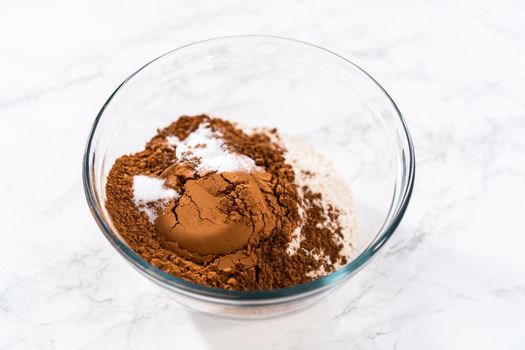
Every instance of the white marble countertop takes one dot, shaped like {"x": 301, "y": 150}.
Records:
{"x": 452, "y": 277}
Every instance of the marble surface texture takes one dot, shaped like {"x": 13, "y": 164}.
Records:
{"x": 452, "y": 277}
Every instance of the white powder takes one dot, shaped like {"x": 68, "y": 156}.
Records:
{"x": 317, "y": 173}
{"x": 295, "y": 242}
{"x": 317, "y": 273}
{"x": 149, "y": 193}
{"x": 211, "y": 153}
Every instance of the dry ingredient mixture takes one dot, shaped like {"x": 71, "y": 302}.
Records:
{"x": 231, "y": 208}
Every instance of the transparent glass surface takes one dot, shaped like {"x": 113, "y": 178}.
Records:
{"x": 303, "y": 90}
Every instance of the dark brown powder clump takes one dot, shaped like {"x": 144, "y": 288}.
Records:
{"x": 263, "y": 262}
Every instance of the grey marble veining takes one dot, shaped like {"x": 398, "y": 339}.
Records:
{"x": 452, "y": 277}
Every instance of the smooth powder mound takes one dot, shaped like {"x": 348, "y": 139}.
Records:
{"x": 213, "y": 204}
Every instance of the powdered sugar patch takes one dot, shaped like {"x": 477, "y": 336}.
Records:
{"x": 207, "y": 146}
{"x": 314, "y": 171}
{"x": 150, "y": 192}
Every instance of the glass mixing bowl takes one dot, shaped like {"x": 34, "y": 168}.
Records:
{"x": 303, "y": 90}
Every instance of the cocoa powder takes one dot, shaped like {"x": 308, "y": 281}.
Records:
{"x": 257, "y": 258}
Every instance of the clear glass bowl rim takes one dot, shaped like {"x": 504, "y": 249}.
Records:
{"x": 198, "y": 291}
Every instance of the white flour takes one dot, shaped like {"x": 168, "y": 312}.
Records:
{"x": 319, "y": 175}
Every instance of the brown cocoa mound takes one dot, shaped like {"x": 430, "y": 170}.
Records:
{"x": 251, "y": 261}
{"x": 218, "y": 214}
